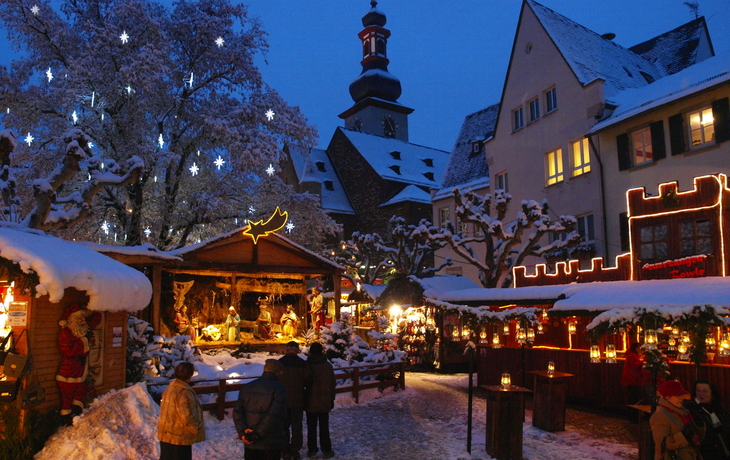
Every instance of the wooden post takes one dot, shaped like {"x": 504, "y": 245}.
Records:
{"x": 156, "y": 296}
{"x": 221, "y": 399}
{"x": 356, "y": 384}
{"x": 402, "y": 378}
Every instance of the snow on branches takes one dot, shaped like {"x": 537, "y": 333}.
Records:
{"x": 506, "y": 244}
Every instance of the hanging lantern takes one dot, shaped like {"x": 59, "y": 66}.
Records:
{"x": 551, "y": 368}
{"x": 505, "y": 329}
{"x": 611, "y": 353}
{"x": 595, "y": 354}
{"x": 685, "y": 337}
{"x": 506, "y": 381}
{"x": 482, "y": 335}
{"x": 672, "y": 342}
{"x": 571, "y": 328}
{"x": 544, "y": 315}
{"x": 710, "y": 341}
{"x": 521, "y": 336}
{"x": 495, "y": 341}
{"x": 530, "y": 334}
{"x": 455, "y": 335}
{"x": 682, "y": 351}
{"x": 650, "y": 339}
{"x": 430, "y": 323}
{"x": 675, "y": 331}
{"x": 540, "y": 328}
{"x": 724, "y": 345}
{"x": 465, "y": 332}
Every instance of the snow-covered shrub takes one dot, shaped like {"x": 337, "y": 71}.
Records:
{"x": 386, "y": 348}
{"x": 337, "y": 339}
{"x": 138, "y": 363}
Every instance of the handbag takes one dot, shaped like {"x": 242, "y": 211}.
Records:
{"x": 15, "y": 363}
{"x": 3, "y": 351}
{"x": 33, "y": 394}
{"x": 9, "y": 390}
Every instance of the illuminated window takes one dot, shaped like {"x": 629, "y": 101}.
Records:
{"x": 518, "y": 119}
{"x": 654, "y": 243}
{"x": 502, "y": 182}
{"x": 581, "y": 157}
{"x": 642, "y": 149}
{"x": 696, "y": 237}
{"x": 534, "y": 110}
{"x": 702, "y": 127}
{"x": 445, "y": 216}
{"x": 551, "y": 100}
{"x": 554, "y": 167}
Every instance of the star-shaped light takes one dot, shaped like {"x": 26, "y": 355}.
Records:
{"x": 49, "y": 75}
{"x": 124, "y": 37}
{"x": 105, "y": 227}
{"x": 91, "y": 144}
{"x": 194, "y": 169}
{"x": 35, "y": 10}
{"x": 219, "y": 41}
{"x": 289, "y": 227}
{"x": 29, "y": 139}
{"x": 270, "y": 115}
{"x": 219, "y": 162}
{"x": 270, "y": 170}
{"x": 251, "y": 210}
{"x": 161, "y": 141}
{"x": 147, "y": 232}
{"x": 75, "y": 117}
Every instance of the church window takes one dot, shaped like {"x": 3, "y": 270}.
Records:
{"x": 320, "y": 166}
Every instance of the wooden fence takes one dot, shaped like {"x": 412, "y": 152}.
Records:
{"x": 386, "y": 375}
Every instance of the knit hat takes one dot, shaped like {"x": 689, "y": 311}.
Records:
{"x": 68, "y": 311}
{"x": 672, "y": 388}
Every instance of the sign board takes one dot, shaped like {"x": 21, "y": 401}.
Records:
{"x": 687, "y": 267}
{"x": 18, "y": 313}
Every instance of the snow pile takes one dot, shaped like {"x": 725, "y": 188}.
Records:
{"x": 120, "y": 425}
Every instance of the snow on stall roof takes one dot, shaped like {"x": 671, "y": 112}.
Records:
{"x": 410, "y": 193}
{"x": 593, "y": 57}
{"x": 374, "y": 290}
{"x": 146, "y": 250}
{"x": 304, "y": 165}
{"x": 602, "y": 296}
{"x": 699, "y": 77}
{"x": 414, "y": 159}
{"x": 60, "y": 264}
{"x": 439, "y": 285}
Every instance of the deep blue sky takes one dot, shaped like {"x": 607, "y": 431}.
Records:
{"x": 450, "y": 56}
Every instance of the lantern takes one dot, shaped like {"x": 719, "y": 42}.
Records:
{"x": 672, "y": 342}
{"x": 521, "y": 336}
{"x": 710, "y": 341}
{"x": 465, "y": 332}
{"x": 455, "y": 335}
{"x": 571, "y": 328}
{"x": 595, "y": 354}
{"x": 483, "y": 336}
{"x": 724, "y": 345}
{"x": 685, "y": 337}
{"x": 430, "y": 323}
{"x": 650, "y": 339}
{"x": 551, "y": 368}
{"x": 505, "y": 329}
{"x": 495, "y": 341}
{"x": 540, "y": 328}
{"x": 506, "y": 381}
{"x": 610, "y": 353}
{"x": 530, "y": 334}
{"x": 675, "y": 331}
{"x": 682, "y": 350}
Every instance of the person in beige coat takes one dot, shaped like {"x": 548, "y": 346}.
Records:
{"x": 181, "y": 417}
{"x": 675, "y": 433}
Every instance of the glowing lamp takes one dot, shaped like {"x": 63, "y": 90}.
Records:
{"x": 506, "y": 381}
{"x": 495, "y": 341}
{"x": 571, "y": 328}
{"x": 521, "y": 336}
{"x": 530, "y": 334}
{"x": 455, "y": 337}
{"x": 710, "y": 341}
{"x": 465, "y": 332}
{"x": 682, "y": 350}
{"x": 672, "y": 342}
{"x": 551, "y": 368}
{"x": 610, "y": 353}
{"x": 395, "y": 310}
{"x": 650, "y": 339}
{"x": 595, "y": 354}
{"x": 483, "y": 336}
{"x": 675, "y": 331}
{"x": 685, "y": 336}
{"x": 505, "y": 329}
{"x": 540, "y": 328}
{"x": 724, "y": 345}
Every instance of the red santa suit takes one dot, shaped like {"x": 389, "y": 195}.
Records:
{"x": 74, "y": 350}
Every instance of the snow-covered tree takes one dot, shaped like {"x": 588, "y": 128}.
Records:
{"x": 506, "y": 244}
{"x": 177, "y": 88}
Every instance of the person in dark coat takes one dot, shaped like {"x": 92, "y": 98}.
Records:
{"x": 260, "y": 415}
{"x": 631, "y": 376}
{"x": 706, "y": 408}
{"x": 296, "y": 373}
{"x": 320, "y": 399}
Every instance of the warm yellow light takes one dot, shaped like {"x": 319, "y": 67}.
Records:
{"x": 610, "y": 353}
{"x": 551, "y": 368}
{"x": 595, "y": 354}
{"x": 530, "y": 334}
{"x": 506, "y": 381}
{"x": 495, "y": 341}
{"x": 505, "y": 329}
{"x": 395, "y": 310}
{"x": 650, "y": 338}
{"x": 571, "y": 328}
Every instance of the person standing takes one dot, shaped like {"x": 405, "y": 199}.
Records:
{"x": 672, "y": 426}
{"x": 296, "y": 373}
{"x": 260, "y": 415}
{"x": 181, "y": 421}
{"x": 319, "y": 401}
{"x": 232, "y": 325}
{"x": 631, "y": 376}
{"x": 706, "y": 407}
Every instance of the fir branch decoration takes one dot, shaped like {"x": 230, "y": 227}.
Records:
{"x": 655, "y": 361}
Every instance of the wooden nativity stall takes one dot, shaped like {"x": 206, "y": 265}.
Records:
{"x": 44, "y": 280}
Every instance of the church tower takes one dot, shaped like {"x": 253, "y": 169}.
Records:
{"x": 376, "y": 91}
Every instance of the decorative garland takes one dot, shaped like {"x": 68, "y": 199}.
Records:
{"x": 24, "y": 281}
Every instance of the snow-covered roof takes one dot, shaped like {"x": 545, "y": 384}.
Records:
{"x": 146, "y": 250}
{"x": 315, "y": 166}
{"x": 465, "y": 165}
{"x": 439, "y": 285}
{"x": 591, "y": 56}
{"x": 677, "y": 49}
{"x": 417, "y": 165}
{"x": 604, "y": 296}
{"x": 60, "y": 264}
{"x": 697, "y": 78}
{"x": 373, "y": 290}
{"x": 410, "y": 193}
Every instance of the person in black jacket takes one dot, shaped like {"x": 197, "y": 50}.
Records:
{"x": 706, "y": 408}
{"x": 320, "y": 399}
{"x": 296, "y": 373}
{"x": 260, "y": 415}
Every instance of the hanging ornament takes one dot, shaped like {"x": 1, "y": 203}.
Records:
{"x": 483, "y": 335}
{"x": 270, "y": 170}
{"x": 124, "y": 38}
{"x": 194, "y": 169}
{"x": 270, "y": 115}
{"x": 289, "y": 227}
{"x": 521, "y": 336}
{"x": 505, "y": 329}
{"x": 455, "y": 335}
{"x": 35, "y": 10}
{"x": 219, "y": 162}
{"x": 219, "y": 41}
{"x": 105, "y": 227}
{"x": 571, "y": 328}
{"x": 530, "y": 334}
{"x": 610, "y": 353}
{"x": 710, "y": 341}
{"x": 495, "y": 341}
{"x": 29, "y": 139}
{"x": 650, "y": 339}
{"x": 672, "y": 344}
{"x": 161, "y": 141}
{"x": 147, "y": 232}
{"x": 540, "y": 328}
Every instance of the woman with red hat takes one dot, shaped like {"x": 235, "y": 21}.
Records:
{"x": 674, "y": 431}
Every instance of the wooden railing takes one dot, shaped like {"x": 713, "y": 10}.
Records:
{"x": 392, "y": 374}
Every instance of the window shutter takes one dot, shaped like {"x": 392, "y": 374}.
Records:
{"x": 657, "y": 140}
{"x": 623, "y": 224}
{"x": 676, "y": 134}
{"x": 721, "y": 114}
{"x": 622, "y": 147}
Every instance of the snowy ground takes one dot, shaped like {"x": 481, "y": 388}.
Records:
{"x": 426, "y": 421}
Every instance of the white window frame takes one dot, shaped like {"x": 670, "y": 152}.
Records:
{"x": 586, "y": 226}
{"x": 580, "y": 157}
{"x": 518, "y": 119}
{"x": 501, "y": 181}
{"x": 444, "y": 216}
{"x": 551, "y": 100}
{"x": 534, "y": 105}
{"x": 701, "y": 126}
{"x": 554, "y": 172}
{"x": 641, "y": 145}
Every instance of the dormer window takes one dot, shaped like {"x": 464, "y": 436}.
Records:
{"x": 320, "y": 166}
{"x": 395, "y": 154}
{"x": 429, "y": 176}
{"x": 395, "y": 168}
{"x": 476, "y": 147}
{"x": 428, "y": 162}
{"x": 329, "y": 185}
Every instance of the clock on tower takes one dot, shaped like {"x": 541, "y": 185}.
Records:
{"x": 389, "y": 126}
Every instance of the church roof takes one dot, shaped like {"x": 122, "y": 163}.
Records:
{"x": 464, "y": 166}
{"x": 410, "y": 193}
{"x": 400, "y": 161}
{"x": 315, "y": 166}
{"x": 592, "y": 56}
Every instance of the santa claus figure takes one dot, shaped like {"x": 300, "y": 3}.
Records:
{"x": 74, "y": 343}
